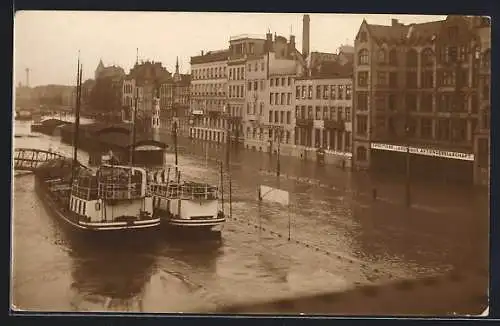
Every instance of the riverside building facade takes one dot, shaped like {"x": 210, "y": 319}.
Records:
{"x": 209, "y": 96}
{"x": 416, "y": 98}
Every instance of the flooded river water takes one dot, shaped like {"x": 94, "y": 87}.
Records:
{"x": 339, "y": 238}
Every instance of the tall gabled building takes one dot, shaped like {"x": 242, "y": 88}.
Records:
{"x": 416, "y": 91}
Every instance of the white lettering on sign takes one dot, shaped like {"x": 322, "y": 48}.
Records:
{"x": 424, "y": 151}
{"x": 148, "y": 148}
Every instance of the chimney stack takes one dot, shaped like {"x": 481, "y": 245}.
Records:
{"x": 27, "y": 77}
{"x": 201, "y": 52}
{"x": 394, "y": 22}
{"x": 305, "y": 35}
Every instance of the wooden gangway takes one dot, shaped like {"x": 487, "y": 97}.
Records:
{"x": 29, "y": 159}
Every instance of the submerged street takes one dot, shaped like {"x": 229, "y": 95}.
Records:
{"x": 340, "y": 238}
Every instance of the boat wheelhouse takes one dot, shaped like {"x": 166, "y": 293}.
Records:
{"x": 187, "y": 205}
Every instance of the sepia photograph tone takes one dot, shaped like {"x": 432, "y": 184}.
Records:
{"x": 251, "y": 163}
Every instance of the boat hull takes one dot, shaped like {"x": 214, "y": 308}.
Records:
{"x": 119, "y": 228}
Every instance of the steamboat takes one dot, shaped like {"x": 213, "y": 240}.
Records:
{"x": 109, "y": 198}
{"x": 187, "y": 206}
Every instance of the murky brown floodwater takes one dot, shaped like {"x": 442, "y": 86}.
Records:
{"x": 340, "y": 238}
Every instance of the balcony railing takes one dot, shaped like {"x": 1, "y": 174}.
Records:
{"x": 334, "y": 124}
{"x": 304, "y": 122}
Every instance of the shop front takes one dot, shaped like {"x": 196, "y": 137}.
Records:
{"x": 424, "y": 163}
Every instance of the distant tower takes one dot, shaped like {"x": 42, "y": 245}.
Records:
{"x": 177, "y": 65}
{"x": 27, "y": 77}
{"x": 99, "y": 69}
{"x": 305, "y": 35}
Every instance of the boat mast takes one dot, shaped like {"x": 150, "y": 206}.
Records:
{"x": 77, "y": 119}
{"x": 134, "y": 117}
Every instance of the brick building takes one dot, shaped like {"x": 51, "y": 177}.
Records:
{"x": 143, "y": 82}
{"x": 416, "y": 97}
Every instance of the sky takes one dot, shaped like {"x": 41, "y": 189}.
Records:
{"x": 47, "y": 42}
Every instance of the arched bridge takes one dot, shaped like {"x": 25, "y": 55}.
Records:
{"x": 29, "y": 159}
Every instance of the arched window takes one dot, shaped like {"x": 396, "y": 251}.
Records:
{"x": 361, "y": 153}
{"x": 427, "y": 57}
{"x": 485, "y": 62}
{"x": 411, "y": 58}
{"x": 393, "y": 57}
{"x": 382, "y": 56}
{"x": 363, "y": 57}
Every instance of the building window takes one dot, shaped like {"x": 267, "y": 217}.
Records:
{"x": 382, "y": 78}
{"x": 277, "y": 82}
{"x": 289, "y": 98}
{"x": 297, "y": 112}
{"x": 325, "y": 92}
{"x": 289, "y": 81}
{"x": 270, "y": 116}
{"x": 382, "y": 57}
{"x": 261, "y": 85}
{"x": 426, "y": 102}
{"x": 249, "y": 85}
{"x": 276, "y": 98}
{"x": 391, "y": 102}
{"x": 283, "y": 81}
{"x": 426, "y": 128}
{"x": 393, "y": 57}
{"x": 261, "y": 108}
{"x": 271, "y": 82}
{"x": 411, "y": 58}
{"x": 362, "y": 125}
{"x": 363, "y": 57}
{"x": 459, "y": 130}
{"x": 411, "y": 79}
{"x": 333, "y": 89}
{"x": 288, "y": 117}
{"x": 304, "y": 90}
{"x": 339, "y": 113}
{"x": 318, "y": 113}
{"x": 411, "y": 127}
{"x": 427, "y": 79}
{"x": 443, "y": 129}
{"x": 363, "y": 78}
{"x": 332, "y": 113}
{"x": 362, "y": 102}
{"x": 348, "y": 114}
{"x": 310, "y": 92}
{"x": 318, "y": 92}
{"x": 393, "y": 79}
{"x": 348, "y": 92}
{"x": 361, "y": 153}
{"x": 282, "y": 116}
{"x": 255, "y": 86}
{"x": 380, "y": 103}
{"x": 310, "y": 112}
{"x": 340, "y": 94}
{"x": 326, "y": 111}
{"x": 297, "y": 92}
{"x": 271, "y": 98}
{"x": 276, "y": 115}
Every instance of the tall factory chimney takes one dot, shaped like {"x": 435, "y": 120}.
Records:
{"x": 305, "y": 35}
{"x": 27, "y": 77}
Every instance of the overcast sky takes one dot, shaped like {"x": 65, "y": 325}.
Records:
{"x": 47, "y": 42}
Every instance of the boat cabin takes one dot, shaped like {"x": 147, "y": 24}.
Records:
{"x": 113, "y": 193}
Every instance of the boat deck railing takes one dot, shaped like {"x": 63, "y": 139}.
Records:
{"x": 185, "y": 191}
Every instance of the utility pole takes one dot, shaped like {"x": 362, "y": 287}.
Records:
{"x": 278, "y": 163}
{"x": 228, "y": 136}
